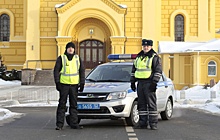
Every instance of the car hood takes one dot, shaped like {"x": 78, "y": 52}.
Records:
{"x": 106, "y": 87}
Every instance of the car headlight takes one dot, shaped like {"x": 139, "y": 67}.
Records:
{"x": 117, "y": 95}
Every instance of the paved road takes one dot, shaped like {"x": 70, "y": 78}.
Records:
{"x": 39, "y": 124}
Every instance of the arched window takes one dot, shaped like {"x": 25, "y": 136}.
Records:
{"x": 4, "y": 27}
{"x": 212, "y": 68}
{"x": 179, "y": 28}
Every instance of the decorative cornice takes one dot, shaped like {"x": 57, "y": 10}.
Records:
{"x": 137, "y": 39}
{"x": 17, "y": 43}
{"x": 63, "y": 39}
{"x": 110, "y": 3}
{"x": 67, "y": 6}
{"x": 13, "y": 43}
{"x": 117, "y": 40}
{"x": 114, "y": 6}
{"x": 47, "y": 39}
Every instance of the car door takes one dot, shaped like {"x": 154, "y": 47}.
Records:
{"x": 162, "y": 91}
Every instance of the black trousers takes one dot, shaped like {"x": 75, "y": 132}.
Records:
{"x": 72, "y": 91}
{"x": 147, "y": 104}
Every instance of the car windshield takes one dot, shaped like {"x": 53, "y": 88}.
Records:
{"x": 110, "y": 73}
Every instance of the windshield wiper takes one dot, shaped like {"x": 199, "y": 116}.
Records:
{"x": 110, "y": 80}
{"x": 92, "y": 80}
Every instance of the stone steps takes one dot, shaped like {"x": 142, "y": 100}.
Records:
{"x": 44, "y": 78}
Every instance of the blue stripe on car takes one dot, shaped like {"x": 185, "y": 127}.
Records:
{"x": 164, "y": 83}
{"x": 130, "y": 90}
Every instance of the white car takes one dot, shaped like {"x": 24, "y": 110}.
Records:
{"x": 107, "y": 94}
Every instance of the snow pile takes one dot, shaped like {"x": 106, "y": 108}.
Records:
{"x": 123, "y": 6}
{"x": 176, "y": 47}
{"x": 5, "y": 114}
{"x": 198, "y": 97}
{"x": 15, "y": 82}
{"x": 211, "y": 107}
{"x": 198, "y": 92}
{"x": 59, "y": 5}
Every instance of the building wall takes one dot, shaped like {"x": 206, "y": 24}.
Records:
{"x": 17, "y": 8}
{"x": 190, "y": 69}
{"x": 133, "y": 17}
{"x": 205, "y": 59}
{"x": 14, "y": 55}
{"x": 48, "y": 52}
{"x": 170, "y": 6}
{"x": 217, "y": 14}
{"x": 217, "y": 17}
{"x": 48, "y": 31}
{"x": 133, "y": 24}
{"x": 187, "y": 70}
{"x": 14, "y": 52}
{"x": 49, "y": 18}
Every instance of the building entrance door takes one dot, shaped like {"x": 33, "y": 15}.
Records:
{"x": 92, "y": 52}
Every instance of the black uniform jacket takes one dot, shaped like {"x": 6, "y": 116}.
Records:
{"x": 58, "y": 67}
{"x": 156, "y": 67}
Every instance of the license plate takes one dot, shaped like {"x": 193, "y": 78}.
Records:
{"x": 88, "y": 106}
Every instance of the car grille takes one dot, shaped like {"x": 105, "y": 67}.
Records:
{"x": 92, "y": 97}
{"x": 102, "y": 110}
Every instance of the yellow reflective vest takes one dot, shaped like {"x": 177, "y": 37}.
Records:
{"x": 143, "y": 67}
{"x": 69, "y": 73}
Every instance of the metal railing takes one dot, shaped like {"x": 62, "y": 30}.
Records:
{"x": 33, "y": 95}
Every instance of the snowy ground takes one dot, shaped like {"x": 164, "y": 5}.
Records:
{"x": 195, "y": 97}
{"x": 5, "y": 114}
{"x": 6, "y": 83}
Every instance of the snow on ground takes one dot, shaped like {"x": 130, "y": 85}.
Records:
{"x": 39, "y": 104}
{"x": 198, "y": 97}
{"x": 4, "y": 83}
{"x": 5, "y": 114}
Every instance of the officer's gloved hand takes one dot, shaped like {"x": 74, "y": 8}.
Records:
{"x": 153, "y": 87}
{"x": 58, "y": 86}
{"x": 133, "y": 87}
{"x": 81, "y": 87}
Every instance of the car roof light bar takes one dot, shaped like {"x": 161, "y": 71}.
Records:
{"x": 121, "y": 56}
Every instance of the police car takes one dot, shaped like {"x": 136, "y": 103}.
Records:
{"x": 107, "y": 93}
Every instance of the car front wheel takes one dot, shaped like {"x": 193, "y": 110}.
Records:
{"x": 133, "y": 119}
{"x": 167, "y": 114}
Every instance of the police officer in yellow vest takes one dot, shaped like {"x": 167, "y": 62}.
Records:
{"x": 69, "y": 76}
{"x": 146, "y": 71}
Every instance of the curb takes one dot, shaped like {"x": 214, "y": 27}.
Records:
{"x": 9, "y": 103}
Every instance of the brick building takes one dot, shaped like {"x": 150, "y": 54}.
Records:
{"x": 34, "y": 32}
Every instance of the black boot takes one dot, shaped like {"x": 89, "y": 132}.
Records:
{"x": 77, "y": 127}
{"x": 153, "y": 127}
{"x": 58, "y": 128}
{"x": 140, "y": 127}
